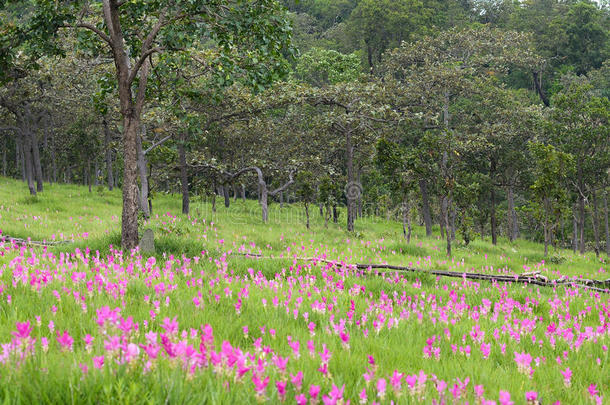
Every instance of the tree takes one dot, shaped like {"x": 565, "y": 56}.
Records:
{"x": 579, "y": 125}
{"x": 551, "y": 170}
{"x": 306, "y": 191}
{"x": 438, "y": 71}
{"x": 245, "y": 33}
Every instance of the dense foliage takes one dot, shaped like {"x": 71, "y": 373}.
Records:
{"x": 428, "y": 111}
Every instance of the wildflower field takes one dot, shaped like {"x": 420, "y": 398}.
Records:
{"x": 230, "y": 310}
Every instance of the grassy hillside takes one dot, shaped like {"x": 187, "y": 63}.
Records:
{"x": 93, "y": 220}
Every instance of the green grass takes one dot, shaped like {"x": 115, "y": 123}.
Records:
{"x": 72, "y": 211}
{"x": 68, "y": 286}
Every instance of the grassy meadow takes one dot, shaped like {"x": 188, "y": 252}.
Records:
{"x": 200, "y": 322}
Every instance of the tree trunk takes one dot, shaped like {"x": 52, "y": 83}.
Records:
{"x": 107, "y": 140}
{"x": 36, "y": 160}
{"x": 406, "y": 220}
{"x": 595, "y": 222}
{"x": 423, "y": 187}
{"x": 307, "y": 214}
{"x": 445, "y": 206}
{"x": 452, "y": 223}
{"x": 235, "y": 193}
{"x": 606, "y": 223}
{"x": 352, "y": 189}
{"x": 143, "y": 170}
{"x": 264, "y": 207}
{"x": 321, "y": 207}
{"x": 4, "y": 163}
{"x": 214, "y": 197}
{"x": 88, "y": 174}
{"x": 129, "y": 219}
{"x": 243, "y": 192}
{"x": 29, "y": 169}
{"x": 327, "y": 216}
{"x": 581, "y": 225}
{"x": 282, "y": 201}
{"x": 335, "y": 214}
{"x": 494, "y": 233}
{"x": 513, "y": 225}
{"x": 226, "y": 195}
{"x": 184, "y": 181}
{"x": 441, "y": 221}
{"x": 494, "y": 223}
{"x": 575, "y": 226}
{"x": 539, "y": 88}
{"x": 96, "y": 169}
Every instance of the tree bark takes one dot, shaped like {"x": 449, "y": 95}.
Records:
{"x": 96, "y": 169}
{"x": 282, "y": 201}
{"x": 575, "y": 227}
{"x": 4, "y": 163}
{"x": 29, "y": 169}
{"x": 539, "y": 88}
{"x": 423, "y": 187}
{"x": 23, "y": 146}
{"x": 406, "y": 220}
{"x": 513, "y": 225}
{"x": 36, "y": 160}
{"x": 494, "y": 224}
{"x": 595, "y": 222}
{"x": 129, "y": 223}
{"x": 226, "y": 195}
{"x": 452, "y": 222}
{"x": 445, "y": 206}
{"x": 335, "y": 214}
{"x": 243, "y": 192}
{"x": 184, "y": 181}
{"x": 108, "y": 152}
{"x": 494, "y": 234}
{"x": 143, "y": 171}
{"x": 88, "y": 174}
{"x": 351, "y": 186}
{"x": 581, "y": 225}
{"x": 307, "y": 214}
{"x": 606, "y": 223}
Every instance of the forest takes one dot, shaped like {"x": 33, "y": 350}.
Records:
{"x": 487, "y": 117}
{"x": 304, "y": 201}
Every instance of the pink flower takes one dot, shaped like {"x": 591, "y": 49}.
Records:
{"x": 362, "y": 396}
{"x": 297, "y": 380}
{"x": 396, "y": 380}
{"x": 44, "y": 343}
{"x": 65, "y": 340}
{"x": 567, "y": 376}
{"x": 505, "y": 398}
{"x": 98, "y": 362}
{"x": 280, "y": 362}
{"x": 314, "y": 390}
{"x": 300, "y": 399}
{"x": 260, "y": 385}
{"x": 281, "y": 389}
{"x": 23, "y": 330}
{"x": 170, "y": 326}
{"x": 479, "y": 391}
{"x": 381, "y": 386}
{"x": 531, "y": 397}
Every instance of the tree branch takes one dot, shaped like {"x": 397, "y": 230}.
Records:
{"x": 93, "y": 28}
